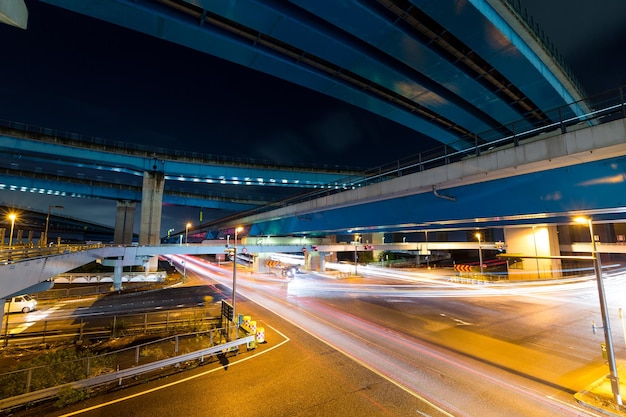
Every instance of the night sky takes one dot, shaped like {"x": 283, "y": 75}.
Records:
{"x": 87, "y": 76}
{"x": 77, "y": 74}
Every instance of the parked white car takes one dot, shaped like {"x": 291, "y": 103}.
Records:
{"x": 20, "y": 304}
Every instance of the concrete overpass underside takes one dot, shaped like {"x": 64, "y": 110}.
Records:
{"x": 545, "y": 180}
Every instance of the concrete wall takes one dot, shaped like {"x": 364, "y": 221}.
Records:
{"x": 535, "y": 241}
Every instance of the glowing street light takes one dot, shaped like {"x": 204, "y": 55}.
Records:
{"x": 480, "y": 253}
{"x": 187, "y": 226}
{"x": 606, "y": 326}
{"x": 48, "y": 222}
{"x": 12, "y": 217}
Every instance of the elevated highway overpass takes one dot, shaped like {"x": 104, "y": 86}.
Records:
{"x": 519, "y": 144}
{"x": 420, "y": 64}
{"x": 31, "y": 270}
{"x": 548, "y": 178}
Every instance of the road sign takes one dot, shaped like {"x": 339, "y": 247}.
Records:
{"x": 227, "y": 311}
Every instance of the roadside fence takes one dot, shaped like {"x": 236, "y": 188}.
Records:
{"x": 76, "y": 368}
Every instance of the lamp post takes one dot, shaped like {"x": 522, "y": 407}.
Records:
{"x": 12, "y": 217}
{"x": 606, "y": 326}
{"x": 48, "y": 222}
{"x": 356, "y": 257}
{"x": 237, "y": 229}
{"x": 480, "y": 253}
{"x": 427, "y": 252}
{"x": 187, "y": 226}
{"x": 536, "y": 253}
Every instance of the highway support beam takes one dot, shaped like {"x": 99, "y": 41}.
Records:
{"x": 151, "y": 210}
{"x": 124, "y": 222}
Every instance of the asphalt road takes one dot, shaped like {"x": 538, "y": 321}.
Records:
{"x": 407, "y": 345}
{"x": 293, "y": 374}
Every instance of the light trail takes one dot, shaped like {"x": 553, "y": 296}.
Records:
{"x": 418, "y": 368}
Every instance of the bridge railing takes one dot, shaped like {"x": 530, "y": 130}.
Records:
{"x": 602, "y": 108}
{"x": 12, "y": 254}
{"x": 111, "y": 145}
{"x": 522, "y": 13}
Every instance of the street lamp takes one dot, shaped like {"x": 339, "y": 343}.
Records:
{"x": 187, "y": 226}
{"x": 12, "y": 217}
{"x": 480, "y": 254}
{"x": 606, "y": 326}
{"x": 356, "y": 242}
{"x": 237, "y": 229}
{"x": 48, "y": 222}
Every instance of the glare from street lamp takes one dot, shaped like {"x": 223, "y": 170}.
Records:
{"x": 187, "y": 226}
{"x": 12, "y": 217}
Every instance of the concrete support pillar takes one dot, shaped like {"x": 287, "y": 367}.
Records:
{"x": 151, "y": 209}
{"x": 377, "y": 240}
{"x": 259, "y": 263}
{"x": 322, "y": 258}
{"x": 124, "y": 222}
{"x": 311, "y": 261}
{"x": 534, "y": 241}
{"x": 117, "y": 274}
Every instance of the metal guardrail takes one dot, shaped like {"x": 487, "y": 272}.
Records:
{"x": 119, "y": 375}
{"x": 102, "y": 327}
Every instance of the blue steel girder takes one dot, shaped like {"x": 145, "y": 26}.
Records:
{"x": 431, "y": 78}
{"x": 151, "y": 18}
{"x": 393, "y": 70}
{"x": 553, "y": 196}
{"x": 513, "y": 51}
{"x": 179, "y": 169}
{"x": 350, "y": 43}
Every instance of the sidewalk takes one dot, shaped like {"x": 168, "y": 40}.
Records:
{"x": 599, "y": 396}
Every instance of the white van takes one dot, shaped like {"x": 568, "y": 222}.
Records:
{"x": 21, "y": 304}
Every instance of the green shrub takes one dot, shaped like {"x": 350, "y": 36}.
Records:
{"x": 69, "y": 395}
